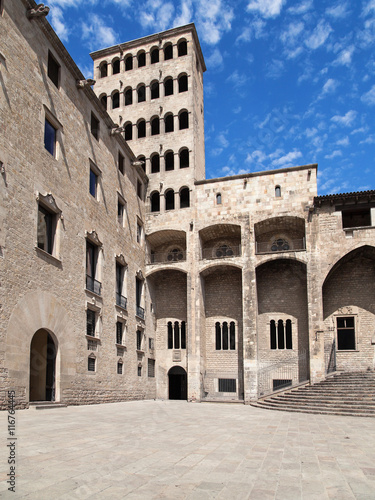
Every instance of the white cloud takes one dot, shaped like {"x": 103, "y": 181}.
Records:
{"x": 57, "y": 21}
{"x": 346, "y": 120}
{"x": 291, "y": 33}
{"x": 334, "y": 154}
{"x": 215, "y": 60}
{"x": 97, "y": 33}
{"x": 310, "y": 132}
{"x": 338, "y": 11}
{"x": 343, "y": 142}
{"x": 369, "y": 7}
{"x": 369, "y": 97}
{"x": 255, "y": 30}
{"x": 237, "y": 79}
{"x": 330, "y": 86}
{"x": 287, "y": 160}
{"x": 186, "y": 14}
{"x": 214, "y": 17}
{"x": 222, "y": 140}
{"x": 345, "y": 56}
{"x": 256, "y": 156}
{"x": 319, "y": 35}
{"x": 266, "y": 8}
{"x": 302, "y": 8}
{"x": 275, "y": 68}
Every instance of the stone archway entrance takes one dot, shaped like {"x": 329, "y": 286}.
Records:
{"x": 43, "y": 350}
{"x": 177, "y": 378}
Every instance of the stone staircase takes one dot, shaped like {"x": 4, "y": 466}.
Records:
{"x": 46, "y": 405}
{"x": 349, "y": 393}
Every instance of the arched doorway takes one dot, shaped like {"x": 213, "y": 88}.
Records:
{"x": 42, "y": 367}
{"x": 177, "y": 378}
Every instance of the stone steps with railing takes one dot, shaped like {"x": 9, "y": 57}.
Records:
{"x": 342, "y": 394}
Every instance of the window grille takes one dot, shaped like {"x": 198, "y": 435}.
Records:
{"x": 91, "y": 362}
{"x": 151, "y": 367}
{"x": 227, "y": 385}
{"x": 90, "y": 322}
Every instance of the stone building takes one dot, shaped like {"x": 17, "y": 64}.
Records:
{"x": 125, "y": 273}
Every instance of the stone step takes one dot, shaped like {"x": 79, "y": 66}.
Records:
{"x": 46, "y": 405}
{"x": 316, "y": 411}
{"x": 342, "y": 408}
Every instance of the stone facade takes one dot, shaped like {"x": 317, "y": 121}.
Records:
{"x": 125, "y": 277}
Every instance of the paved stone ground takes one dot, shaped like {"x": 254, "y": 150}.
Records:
{"x": 178, "y": 450}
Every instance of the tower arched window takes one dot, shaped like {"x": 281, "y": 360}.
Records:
{"x": 155, "y": 163}
{"x": 103, "y": 100}
{"x": 277, "y": 191}
{"x": 169, "y": 199}
{"x": 115, "y": 66}
{"x": 281, "y": 334}
{"x": 169, "y": 160}
{"x": 128, "y": 62}
{"x": 154, "y": 53}
{"x": 225, "y": 338}
{"x": 142, "y": 160}
{"x": 168, "y": 86}
{"x": 115, "y": 100}
{"x": 103, "y": 68}
{"x": 128, "y": 96}
{"x": 183, "y": 120}
{"x": 182, "y": 48}
{"x": 185, "y": 198}
{"x": 141, "y": 126}
{"x": 155, "y": 126}
{"x": 184, "y": 158}
{"x": 155, "y": 202}
{"x": 141, "y": 93}
{"x": 176, "y": 335}
{"x": 218, "y": 199}
{"x": 128, "y": 131}
{"x": 182, "y": 83}
{"x": 168, "y": 52}
{"x": 154, "y": 90}
{"x": 141, "y": 58}
{"x": 169, "y": 123}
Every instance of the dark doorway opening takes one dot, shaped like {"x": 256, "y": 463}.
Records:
{"x": 177, "y": 383}
{"x": 42, "y": 367}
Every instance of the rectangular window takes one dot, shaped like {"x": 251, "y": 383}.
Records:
{"x": 120, "y": 286}
{"x": 95, "y": 126}
{"x": 119, "y": 368}
{"x": 356, "y": 218}
{"x": 151, "y": 367}
{"x": 345, "y": 333}
{"x": 139, "y": 233}
{"x": 92, "y": 283}
{"x": 90, "y": 322}
{"x": 93, "y": 188}
{"x": 227, "y": 385}
{"x": 151, "y": 343}
{"x": 53, "y": 69}
{"x": 119, "y": 332}
{"x": 120, "y": 212}
{"x": 46, "y": 229}
{"x": 280, "y": 383}
{"x": 121, "y": 163}
{"x": 139, "y": 340}
{"x": 50, "y": 133}
{"x": 139, "y": 189}
{"x": 139, "y": 371}
{"x": 91, "y": 362}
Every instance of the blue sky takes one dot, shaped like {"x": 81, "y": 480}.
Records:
{"x": 287, "y": 83}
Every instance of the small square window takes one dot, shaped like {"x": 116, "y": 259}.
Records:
{"x": 50, "y": 133}
{"x": 121, "y": 163}
{"x": 53, "y": 69}
{"x": 346, "y": 333}
{"x": 91, "y": 364}
{"x": 95, "y": 126}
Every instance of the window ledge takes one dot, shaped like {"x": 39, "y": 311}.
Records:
{"x": 95, "y": 339}
{"x": 356, "y": 228}
{"x": 140, "y": 351}
{"x": 52, "y": 258}
{"x": 120, "y": 307}
{"x": 93, "y": 293}
{"x": 344, "y": 351}
{"x": 121, "y": 346}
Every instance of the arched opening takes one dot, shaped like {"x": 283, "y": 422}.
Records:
{"x": 103, "y": 100}
{"x": 155, "y": 126}
{"x": 141, "y": 93}
{"x": 154, "y": 90}
{"x": 155, "y": 202}
{"x": 141, "y": 126}
{"x": 154, "y": 55}
{"x": 182, "y": 83}
{"x": 184, "y": 198}
{"x": 155, "y": 163}
{"x": 169, "y": 200}
{"x": 116, "y": 66}
{"x": 182, "y": 48}
{"x": 277, "y": 191}
{"x": 183, "y": 119}
{"x": 128, "y": 62}
{"x": 128, "y": 96}
{"x": 168, "y": 86}
{"x": 128, "y": 132}
{"x": 141, "y": 57}
{"x": 168, "y": 52}
{"x": 168, "y": 123}
{"x": 116, "y": 100}
{"x": 103, "y": 69}
{"x": 142, "y": 159}
{"x": 169, "y": 160}
{"x": 43, "y": 350}
{"x": 177, "y": 378}
{"x": 184, "y": 158}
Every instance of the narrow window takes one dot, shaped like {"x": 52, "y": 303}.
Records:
{"x": 182, "y": 48}
{"x": 183, "y": 120}
{"x": 53, "y": 70}
{"x": 141, "y": 59}
{"x": 116, "y": 100}
{"x": 155, "y": 202}
{"x": 139, "y": 233}
{"x": 142, "y": 160}
{"x": 128, "y": 62}
{"x": 182, "y": 83}
{"x": 119, "y": 368}
{"x": 103, "y": 101}
{"x": 120, "y": 285}
{"x": 90, "y": 322}
{"x": 184, "y": 158}
{"x": 168, "y": 123}
{"x": 273, "y": 334}
{"x": 91, "y": 364}
{"x": 155, "y": 163}
{"x": 218, "y": 336}
{"x": 116, "y": 66}
{"x": 288, "y": 334}
{"x": 176, "y": 335}
{"x": 139, "y": 340}
{"x": 121, "y": 163}
{"x": 128, "y": 132}
{"x": 139, "y": 189}
{"x": 92, "y": 254}
{"x": 218, "y": 199}
{"x": 93, "y": 188}
{"x": 277, "y": 191}
{"x": 103, "y": 69}
{"x": 46, "y": 229}
{"x": 50, "y": 134}
{"x": 170, "y": 335}
{"x": 168, "y": 86}
{"x": 345, "y": 334}
{"x": 169, "y": 160}
{"x": 141, "y": 126}
{"x": 169, "y": 200}
{"x": 94, "y": 126}
{"x": 232, "y": 336}
{"x": 151, "y": 367}
{"x": 128, "y": 97}
{"x": 225, "y": 336}
{"x": 280, "y": 334}
{"x": 119, "y": 332}
{"x": 155, "y": 126}
{"x": 141, "y": 93}
{"x": 168, "y": 52}
{"x": 154, "y": 55}
{"x": 120, "y": 212}
{"x": 183, "y": 335}
{"x": 154, "y": 90}
{"x": 184, "y": 198}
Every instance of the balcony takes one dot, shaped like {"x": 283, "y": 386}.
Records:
{"x": 93, "y": 285}
{"x": 280, "y": 245}
{"x": 221, "y": 252}
{"x": 140, "y": 312}
{"x": 167, "y": 257}
{"x": 121, "y": 301}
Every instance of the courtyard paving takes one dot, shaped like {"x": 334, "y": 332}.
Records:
{"x": 178, "y": 450}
